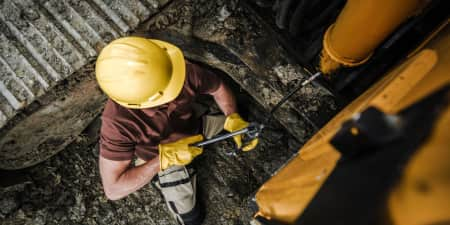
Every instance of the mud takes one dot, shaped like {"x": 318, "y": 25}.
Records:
{"x": 66, "y": 189}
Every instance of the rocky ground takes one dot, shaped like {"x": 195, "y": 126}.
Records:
{"x": 66, "y": 189}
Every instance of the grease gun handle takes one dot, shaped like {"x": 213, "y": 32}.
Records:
{"x": 253, "y": 131}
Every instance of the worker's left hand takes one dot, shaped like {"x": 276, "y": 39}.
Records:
{"x": 179, "y": 152}
{"x": 233, "y": 123}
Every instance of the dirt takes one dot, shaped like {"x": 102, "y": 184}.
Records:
{"x": 66, "y": 189}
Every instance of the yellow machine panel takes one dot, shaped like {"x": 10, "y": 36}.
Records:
{"x": 422, "y": 196}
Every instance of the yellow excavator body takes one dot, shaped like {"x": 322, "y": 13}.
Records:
{"x": 422, "y": 195}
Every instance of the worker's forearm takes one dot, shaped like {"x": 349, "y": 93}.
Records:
{"x": 225, "y": 99}
{"x": 133, "y": 179}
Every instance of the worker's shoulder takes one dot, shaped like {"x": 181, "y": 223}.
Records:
{"x": 190, "y": 68}
{"x": 193, "y": 69}
{"x": 197, "y": 72}
{"x": 114, "y": 111}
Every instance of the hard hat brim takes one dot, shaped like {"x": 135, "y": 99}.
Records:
{"x": 176, "y": 82}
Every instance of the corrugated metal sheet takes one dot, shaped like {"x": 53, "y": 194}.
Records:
{"x": 43, "y": 42}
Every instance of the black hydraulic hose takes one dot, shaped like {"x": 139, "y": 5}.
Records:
{"x": 281, "y": 18}
{"x": 297, "y": 18}
{"x": 289, "y": 95}
{"x": 323, "y": 16}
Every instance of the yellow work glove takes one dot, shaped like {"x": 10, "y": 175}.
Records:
{"x": 179, "y": 152}
{"x": 233, "y": 123}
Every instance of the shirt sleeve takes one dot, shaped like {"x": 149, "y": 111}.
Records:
{"x": 203, "y": 80}
{"x": 115, "y": 144}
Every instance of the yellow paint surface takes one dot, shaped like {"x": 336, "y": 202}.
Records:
{"x": 286, "y": 194}
{"x": 361, "y": 26}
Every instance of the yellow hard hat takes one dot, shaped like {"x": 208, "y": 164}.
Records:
{"x": 140, "y": 73}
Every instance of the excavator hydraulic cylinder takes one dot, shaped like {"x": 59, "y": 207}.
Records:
{"x": 360, "y": 27}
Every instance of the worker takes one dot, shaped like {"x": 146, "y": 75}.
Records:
{"x": 150, "y": 121}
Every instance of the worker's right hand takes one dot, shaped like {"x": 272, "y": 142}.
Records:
{"x": 179, "y": 152}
